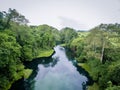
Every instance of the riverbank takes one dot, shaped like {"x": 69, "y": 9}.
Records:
{"x": 42, "y": 53}
{"x": 26, "y": 73}
{"x": 45, "y": 53}
{"x": 85, "y": 66}
{"x": 61, "y": 69}
{"x": 95, "y": 86}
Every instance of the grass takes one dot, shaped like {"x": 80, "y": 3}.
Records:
{"x": 27, "y": 73}
{"x": 63, "y": 45}
{"x": 85, "y": 66}
{"x": 45, "y": 53}
{"x": 93, "y": 87}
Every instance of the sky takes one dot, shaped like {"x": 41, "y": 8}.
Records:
{"x": 77, "y": 14}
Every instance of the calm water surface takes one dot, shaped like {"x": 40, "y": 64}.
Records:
{"x": 58, "y": 73}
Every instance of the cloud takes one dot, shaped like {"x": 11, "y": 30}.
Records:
{"x": 69, "y": 22}
{"x": 119, "y": 0}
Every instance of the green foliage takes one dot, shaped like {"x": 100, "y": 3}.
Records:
{"x": 100, "y": 45}
{"x": 113, "y": 88}
{"x": 67, "y": 35}
{"x": 27, "y": 73}
{"x": 4, "y": 83}
{"x": 9, "y": 49}
{"x": 77, "y": 46}
{"x": 20, "y": 43}
{"x": 26, "y": 53}
{"x": 95, "y": 66}
{"x": 93, "y": 87}
{"x": 85, "y": 66}
{"x": 2, "y": 23}
{"x": 45, "y": 53}
{"x": 109, "y": 71}
{"x": 46, "y": 36}
{"x": 9, "y": 60}
{"x": 12, "y": 16}
{"x": 115, "y": 74}
{"x": 112, "y": 54}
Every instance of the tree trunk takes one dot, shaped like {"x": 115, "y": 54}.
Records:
{"x": 102, "y": 53}
{"x": 7, "y": 23}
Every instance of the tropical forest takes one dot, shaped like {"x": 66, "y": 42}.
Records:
{"x": 41, "y": 57}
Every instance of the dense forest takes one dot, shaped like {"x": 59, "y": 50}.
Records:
{"x": 96, "y": 50}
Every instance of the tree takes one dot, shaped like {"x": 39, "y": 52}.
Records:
{"x": 97, "y": 41}
{"x": 12, "y": 16}
{"x": 67, "y": 35}
{"x": 9, "y": 60}
{"x": 47, "y": 36}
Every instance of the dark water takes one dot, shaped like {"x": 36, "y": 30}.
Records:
{"x": 54, "y": 73}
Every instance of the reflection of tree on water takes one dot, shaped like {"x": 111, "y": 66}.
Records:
{"x": 46, "y": 61}
{"x": 56, "y": 72}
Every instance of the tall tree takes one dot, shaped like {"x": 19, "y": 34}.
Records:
{"x": 13, "y": 16}
{"x": 97, "y": 41}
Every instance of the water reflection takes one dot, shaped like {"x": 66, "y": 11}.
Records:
{"x": 58, "y": 75}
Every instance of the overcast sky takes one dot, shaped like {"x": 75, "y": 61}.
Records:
{"x": 78, "y": 14}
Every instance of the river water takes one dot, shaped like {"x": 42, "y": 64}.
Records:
{"x": 55, "y": 73}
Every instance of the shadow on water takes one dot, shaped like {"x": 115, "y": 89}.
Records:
{"x": 21, "y": 84}
{"x": 54, "y": 73}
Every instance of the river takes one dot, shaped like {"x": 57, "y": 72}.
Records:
{"x": 54, "y": 73}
